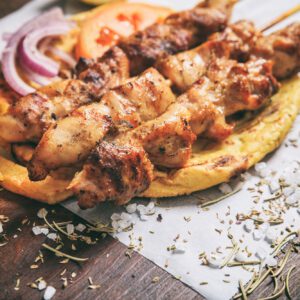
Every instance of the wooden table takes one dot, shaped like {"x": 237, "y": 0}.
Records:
{"x": 119, "y": 276}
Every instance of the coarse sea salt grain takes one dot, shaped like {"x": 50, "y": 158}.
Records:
{"x": 274, "y": 186}
{"x": 41, "y": 285}
{"x": 214, "y": 261}
{"x": 42, "y": 213}
{"x": 288, "y": 191}
{"x": 258, "y": 235}
{"x": 294, "y": 198}
{"x": 44, "y": 231}
{"x": 49, "y": 292}
{"x": 248, "y": 225}
{"x": 70, "y": 228}
{"x": 80, "y": 227}
{"x": 115, "y": 217}
{"x": 1, "y": 227}
{"x": 36, "y": 230}
{"x": 131, "y": 208}
{"x": 52, "y": 236}
{"x": 262, "y": 170}
{"x": 180, "y": 248}
{"x": 225, "y": 188}
{"x": 271, "y": 261}
{"x": 240, "y": 256}
{"x": 271, "y": 236}
{"x": 261, "y": 253}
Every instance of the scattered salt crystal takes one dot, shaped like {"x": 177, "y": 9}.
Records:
{"x": 264, "y": 227}
{"x": 80, "y": 227}
{"x": 248, "y": 225}
{"x": 245, "y": 176}
{"x": 52, "y": 236}
{"x": 42, "y": 213}
{"x": 126, "y": 217}
{"x": 1, "y": 227}
{"x": 225, "y": 188}
{"x": 44, "y": 231}
{"x": 180, "y": 248}
{"x": 271, "y": 236}
{"x": 240, "y": 256}
{"x": 214, "y": 261}
{"x": 258, "y": 235}
{"x": 288, "y": 191}
{"x": 42, "y": 285}
{"x": 298, "y": 210}
{"x": 261, "y": 253}
{"x": 262, "y": 170}
{"x": 144, "y": 217}
{"x": 36, "y": 230}
{"x": 115, "y": 217}
{"x": 115, "y": 225}
{"x": 293, "y": 199}
{"x": 15, "y": 236}
{"x": 49, "y": 292}
{"x": 70, "y": 229}
{"x": 131, "y": 208}
{"x": 271, "y": 261}
{"x": 274, "y": 186}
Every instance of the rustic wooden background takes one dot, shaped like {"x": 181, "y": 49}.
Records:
{"x": 120, "y": 277}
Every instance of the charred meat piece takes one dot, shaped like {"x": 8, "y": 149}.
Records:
{"x": 29, "y": 117}
{"x": 71, "y": 139}
{"x": 179, "y": 32}
{"x": 228, "y": 87}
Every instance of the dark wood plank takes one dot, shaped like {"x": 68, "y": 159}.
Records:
{"x": 120, "y": 277}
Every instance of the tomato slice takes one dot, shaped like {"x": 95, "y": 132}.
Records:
{"x": 112, "y": 22}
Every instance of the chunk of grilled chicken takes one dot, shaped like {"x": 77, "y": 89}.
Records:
{"x": 126, "y": 169}
{"x": 180, "y": 31}
{"x": 238, "y": 41}
{"x": 148, "y": 88}
{"x": 283, "y": 48}
{"x": 71, "y": 139}
{"x": 30, "y": 116}
{"x": 228, "y": 87}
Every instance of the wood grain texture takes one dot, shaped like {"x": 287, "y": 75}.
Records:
{"x": 120, "y": 277}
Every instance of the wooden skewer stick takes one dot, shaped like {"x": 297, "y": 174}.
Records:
{"x": 283, "y": 16}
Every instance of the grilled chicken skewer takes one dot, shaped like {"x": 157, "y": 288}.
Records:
{"x": 33, "y": 114}
{"x": 238, "y": 41}
{"x": 122, "y": 168}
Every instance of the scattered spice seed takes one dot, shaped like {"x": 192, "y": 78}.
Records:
{"x": 283, "y": 242}
{"x": 277, "y": 295}
{"x": 17, "y": 287}
{"x": 244, "y": 295}
{"x": 94, "y": 286}
{"x": 243, "y": 263}
{"x": 79, "y": 259}
{"x": 155, "y": 279}
{"x": 34, "y": 266}
{"x": 287, "y": 280}
{"x": 231, "y": 254}
{"x": 259, "y": 281}
{"x": 283, "y": 262}
{"x": 220, "y": 198}
{"x": 203, "y": 283}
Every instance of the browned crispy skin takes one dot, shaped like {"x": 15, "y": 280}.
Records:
{"x": 228, "y": 87}
{"x": 126, "y": 171}
{"x": 71, "y": 139}
{"x": 179, "y": 32}
{"x": 283, "y": 48}
{"x": 30, "y": 116}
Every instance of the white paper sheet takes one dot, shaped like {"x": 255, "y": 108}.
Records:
{"x": 182, "y": 215}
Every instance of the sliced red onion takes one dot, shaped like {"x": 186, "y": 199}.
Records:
{"x": 41, "y": 80}
{"x": 64, "y": 56}
{"x": 9, "y": 54}
{"x": 33, "y": 58}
